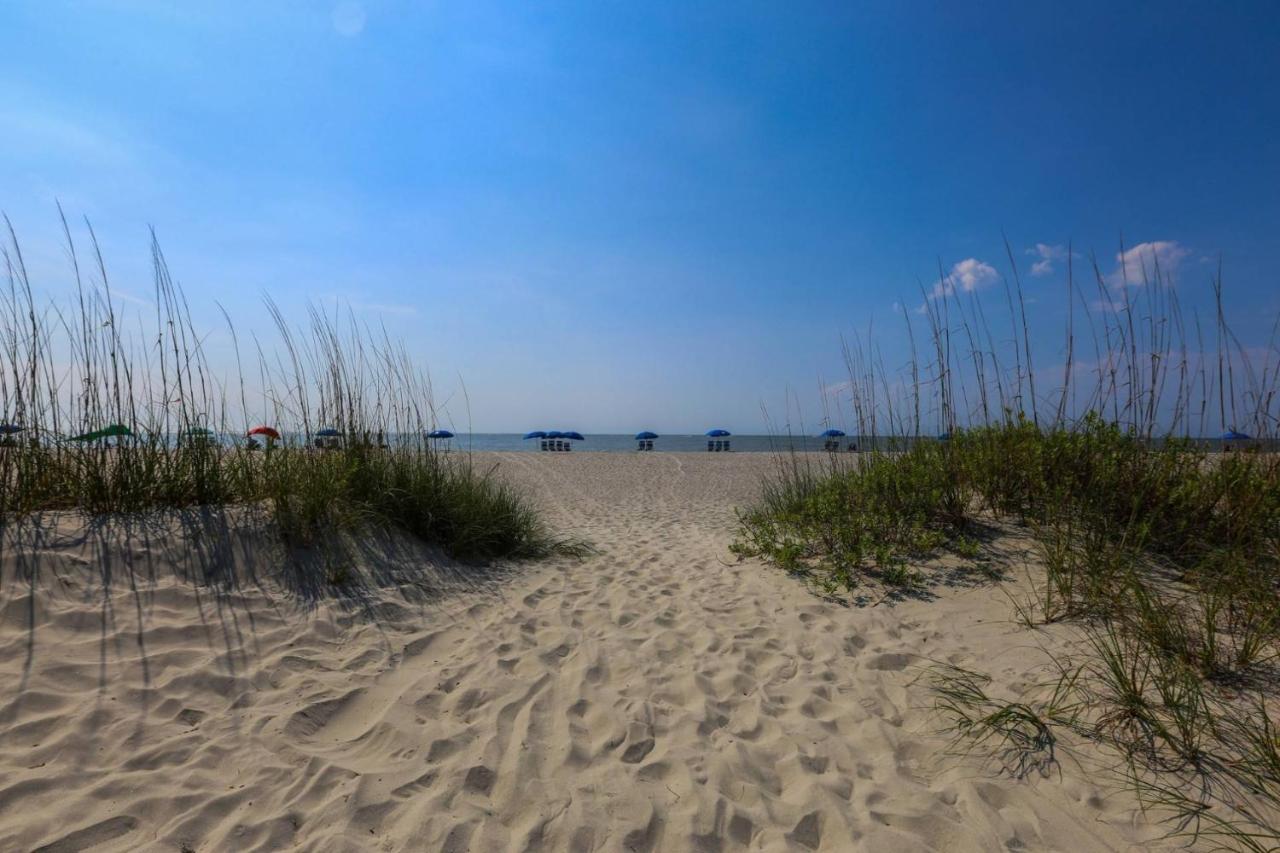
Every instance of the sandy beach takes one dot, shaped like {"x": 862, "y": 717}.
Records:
{"x": 169, "y": 687}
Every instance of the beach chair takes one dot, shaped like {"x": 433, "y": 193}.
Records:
{"x": 710, "y": 445}
{"x": 726, "y": 445}
{"x": 648, "y": 444}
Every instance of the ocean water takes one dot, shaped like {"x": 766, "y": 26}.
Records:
{"x": 482, "y": 441}
{"x": 743, "y": 443}
{"x": 627, "y": 443}
{"x": 611, "y": 443}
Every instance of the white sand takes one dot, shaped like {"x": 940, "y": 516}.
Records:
{"x": 654, "y": 696}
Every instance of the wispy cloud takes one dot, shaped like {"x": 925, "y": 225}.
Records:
{"x": 386, "y": 308}
{"x": 1140, "y": 264}
{"x": 118, "y": 294}
{"x": 1046, "y": 255}
{"x": 355, "y": 302}
{"x": 41, "y": 128}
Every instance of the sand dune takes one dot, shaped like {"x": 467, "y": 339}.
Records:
{"x": 653, "y": 696}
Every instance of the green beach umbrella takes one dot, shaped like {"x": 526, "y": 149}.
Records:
{"x": 199, "y": 437}
{"x": 112, "y": 431}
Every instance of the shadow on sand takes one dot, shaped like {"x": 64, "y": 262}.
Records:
{"x": 226, "y": 559}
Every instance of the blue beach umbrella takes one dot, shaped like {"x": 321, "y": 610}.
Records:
{"x": 1232, "y": 435}
{"x": 555, "y": 433}
{"x": 641, "y": 436}
{"x": 537, "y": 433}
{"x": 718, "y": 433}
{"x": 327, "y": 432}
{"x": 439, "y": 433}
{"x": 832, "y": 433}
{"x": 945, "y": 436}
{"x": 10, "y": 429}
{"x": 573, "y": 436}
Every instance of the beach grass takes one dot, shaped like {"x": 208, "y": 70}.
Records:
{"x": 67, "y": 369}
{"x": 1159, "y": 547}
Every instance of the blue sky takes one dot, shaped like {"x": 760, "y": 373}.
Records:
{"x": 613, "y": 216}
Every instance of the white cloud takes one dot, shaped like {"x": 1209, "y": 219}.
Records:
{"x": 1046, "y": 254}
{"x": 349, "y": 19}
{"x": 1137, "y": 266}
{"x": 966, "y": 276}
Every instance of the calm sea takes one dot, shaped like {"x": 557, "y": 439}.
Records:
{"x": 609, "y": 443}
{"x": 739, "y": 443}
{"x": 627, "y": 443}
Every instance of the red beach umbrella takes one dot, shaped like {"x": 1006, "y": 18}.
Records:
{"x": 265, "y": 430}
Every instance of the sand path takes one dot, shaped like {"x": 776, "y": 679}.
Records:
{"x": 653, "y": 696}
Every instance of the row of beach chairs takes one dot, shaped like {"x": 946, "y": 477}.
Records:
{"x": 718, "y": 445}
{"x": 645, "y": 444}
{"x": 555, "y": 444}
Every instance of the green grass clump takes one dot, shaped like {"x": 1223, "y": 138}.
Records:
{"x": 1165, "y": 553}
{"x": 861, "y": 522}
{"x": 1163, "y": 548}
{"x": 68, "y": 370}
{"x": 439, "y": 498}
{"x": 1022, "y": 733}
